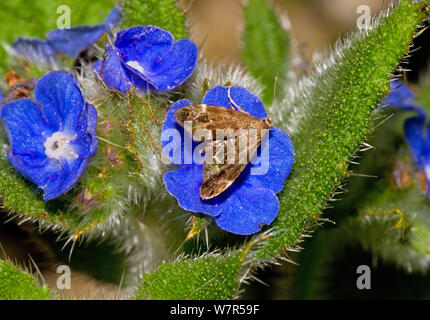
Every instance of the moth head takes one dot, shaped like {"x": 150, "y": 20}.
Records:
{"x": 267, "y": 123}
{"x": 182, "y": 115}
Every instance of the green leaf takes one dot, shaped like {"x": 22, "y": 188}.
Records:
{"x": 161, "y": 13}
{"x": 266, "y": 48}
{"x": 204, "y": 278}
{"x": 331, "y": 117}
{"x": 18, "y": 285}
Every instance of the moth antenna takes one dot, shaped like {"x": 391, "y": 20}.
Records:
{"x": 275, "y": 86}
{"x": 232, "y": 102}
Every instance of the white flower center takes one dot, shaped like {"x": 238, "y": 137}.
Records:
{"x": 57, "y": 146}
{"x": 135, "y": 65}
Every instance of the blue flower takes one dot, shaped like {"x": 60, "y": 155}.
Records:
{"x": 250, "y": 202}
{"x": 67, "y": 41}
{"x": 400, "y": 96}
{"x": 52, "y": 140}
{"x": 416, "y": 129}
{"x": 148, "y": 58}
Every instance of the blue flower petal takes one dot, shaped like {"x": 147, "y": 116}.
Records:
{"x": 177, "y": 153}
{"x": 113, "y": 19}
{"x": 62, "y": 180}
{"x": 75, "y": 40}
{"x": 112, "y": 72}
{"x": 26, "y": 128}
{"x": 1, "y": 96}
{"x": 247, "y": 210}
{"x": 184, "y": 184}
{"x": 35, "y": 50}
{"x": 176, "y": 66}
{"x": 143, "y": 47}
{"x": 278, "y": 163}
{"x": 241, "y": 97}
{"x": 39, "y": 170}
{"x": 117, "y": 76}
{"x": 414, "y": 134}
{"x": 86, "y": 143}
{"x": 242, "y": 209}
{"x": 61, "y": 99}
{"x": 97, "y": 66}
{"x": 400, "y": 96}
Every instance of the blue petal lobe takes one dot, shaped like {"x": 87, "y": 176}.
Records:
{"x": 86, "y": 139}
{"x": 76, "y": 39}
{"x": 175, "y": 67}
{"x": 26, "y": 128}
{"x": 59, "y": 94}
{"x": 113, "y": 19}
{"x": 38, "y": 170}
{"x": 116, "y": 76}
{"x": 277, "y": 158}
{"x": 35, "y": 50}
{"x": 97, "y": 66}
{"x": 143, "y": 47}
{"x": 219, "y": 96}
{"x": 247, "y": 210}
{"x": 184, "y": 184}
{"x": 400, "y": 96}
{"x": 62, "y": 180}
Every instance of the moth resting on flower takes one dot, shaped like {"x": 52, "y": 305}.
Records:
{"x": 249, "y": 202}
{"x": 219, "y": 172}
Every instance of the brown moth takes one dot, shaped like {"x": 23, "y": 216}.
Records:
{"x": 220, "y": 171}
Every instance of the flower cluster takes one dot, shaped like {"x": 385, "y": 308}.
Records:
{"x": 70, "y": 41}
{"x": 51, "y": 139}
{"x": 250, "y": 202}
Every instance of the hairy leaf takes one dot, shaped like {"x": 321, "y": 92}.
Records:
{"x": 331, "y": 117}
{"x": 18, "y": 285}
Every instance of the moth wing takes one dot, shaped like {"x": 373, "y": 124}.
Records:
{"x": 210, "y": 118}
{"x": 222, "y": 167}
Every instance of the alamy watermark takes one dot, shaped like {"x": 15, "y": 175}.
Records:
{"x": 365, "y": 18}
{"x": 63, "y": 21}
{"x": 64, "y": 278}
{"x": 364, "y": 280}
